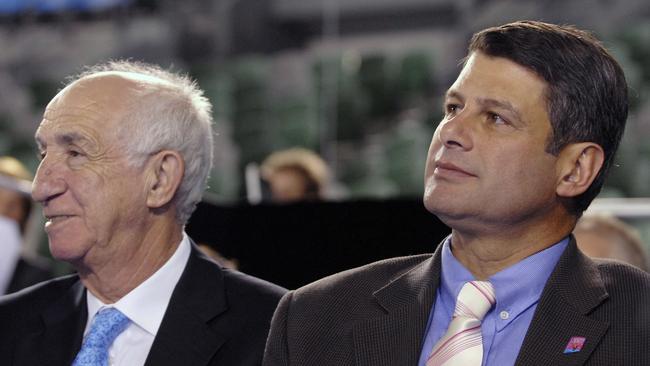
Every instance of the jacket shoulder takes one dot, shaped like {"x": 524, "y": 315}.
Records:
{"x": 357, "y": 284}
{"x": 236, "y": 286}
{"x": 627, "y": 303}
{"x": 34, "y": 299}
{"x": 251, "y": 288}
{"x": 326, "y": 312}
{"x": 624, "y": 282}
{"x": 625, "y": 310}
{"x": 376, "y": 272}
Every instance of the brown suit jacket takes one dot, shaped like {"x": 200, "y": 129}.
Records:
{"x": 377, "y": 315}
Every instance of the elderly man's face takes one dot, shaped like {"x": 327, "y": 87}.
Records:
{"x": 487, "y": 162}
{"x": 89, "y": 192}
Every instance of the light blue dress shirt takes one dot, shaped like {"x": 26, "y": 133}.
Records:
{"x": 518, "y": 289}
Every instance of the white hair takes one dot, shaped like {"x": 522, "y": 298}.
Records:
{"x": 168, "y": 112}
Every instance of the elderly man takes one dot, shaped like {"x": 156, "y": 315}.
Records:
{"x": 530, "y": 128}
{"x": 126, "y": 150}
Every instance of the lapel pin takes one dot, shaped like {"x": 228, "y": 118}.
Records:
{"x": 575, "y": 344}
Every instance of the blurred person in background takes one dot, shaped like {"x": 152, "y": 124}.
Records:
{"x": 17, "y": 270}
{"x": 530, "y": 127}
{"x": 126, "y": 150}
{"x": 294, "y": 175}
{"x": 603, "y": 236}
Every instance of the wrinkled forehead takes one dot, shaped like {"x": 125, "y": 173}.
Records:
{"x": 95, "y": 103}
{"x": 109, "y": 89}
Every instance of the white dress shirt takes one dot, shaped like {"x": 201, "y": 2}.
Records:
{"x": 145, "y": 306}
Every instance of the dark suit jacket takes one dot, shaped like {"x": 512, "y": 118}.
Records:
{"x": 29, "y": 272}
{"x": 215, "y": 317}
{"x": 377, "y": 315}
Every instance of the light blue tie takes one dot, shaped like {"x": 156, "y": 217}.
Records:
{"x": 107, "y": 325}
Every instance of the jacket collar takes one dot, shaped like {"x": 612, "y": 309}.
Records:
{"x": 63, "y": 325}
{"x": 397, "y": 336}
{"x": 573, "y": 291}
{"x": 185, "y": 336}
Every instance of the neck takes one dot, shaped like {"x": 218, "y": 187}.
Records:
{"x": 485, "y": 254}
{"x": 131, "y": 263}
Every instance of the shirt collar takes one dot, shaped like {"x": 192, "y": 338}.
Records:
{"x": 146, "y": 304}
{"x": 517, "y": 287}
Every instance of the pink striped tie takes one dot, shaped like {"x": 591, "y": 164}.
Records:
{"x": 462, "y": 344}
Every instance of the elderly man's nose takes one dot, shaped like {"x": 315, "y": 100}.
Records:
{"x": 47, "y": 183}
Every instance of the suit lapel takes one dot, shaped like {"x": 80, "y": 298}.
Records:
{"x": 185, "y": 336}
{"x": 63, "y": 326}
{"x": 396, "y": 337}
{"x": 573, "y": 290}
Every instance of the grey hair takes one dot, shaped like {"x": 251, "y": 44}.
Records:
{"x": 169, "y": 113}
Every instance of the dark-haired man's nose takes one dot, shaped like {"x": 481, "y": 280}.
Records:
{"x": 455, "y": 133}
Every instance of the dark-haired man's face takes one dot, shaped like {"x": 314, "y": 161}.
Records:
{"x": 487, "y": 164}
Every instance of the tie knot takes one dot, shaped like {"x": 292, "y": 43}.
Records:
{"x": 107, "y": 325}
{"x": 474, "y": 300}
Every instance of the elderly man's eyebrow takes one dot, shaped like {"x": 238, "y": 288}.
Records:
{"x": 69, "y": 138}
{"x": 66, "y": 138}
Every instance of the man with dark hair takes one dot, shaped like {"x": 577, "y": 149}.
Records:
{"x": 585, "y": 94}
{"x": 126, "y": 150}
{"x": 530, "y": 128}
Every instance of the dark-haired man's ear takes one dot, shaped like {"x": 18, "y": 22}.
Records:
{"x": 578, "y": 166}
{"x": 167, "y": 169}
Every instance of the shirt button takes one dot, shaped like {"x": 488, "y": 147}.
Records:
{"x": 504, "y": 315}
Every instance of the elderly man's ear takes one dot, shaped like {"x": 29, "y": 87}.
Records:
{"x": 578, "y": 166}
{"x": 166, "y": 169}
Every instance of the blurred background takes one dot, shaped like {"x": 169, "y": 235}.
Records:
{"x": 359, "y": 82}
